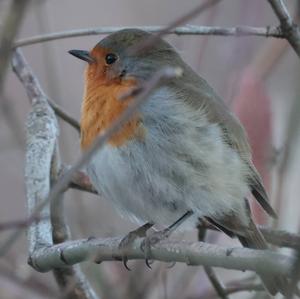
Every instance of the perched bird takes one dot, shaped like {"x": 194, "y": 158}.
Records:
{"x": 182, "y": 157}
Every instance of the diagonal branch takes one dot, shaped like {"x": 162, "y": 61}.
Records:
{"x": 289, "y": 28}
{"x": 216, "y": 282}
{"x": 64, "y": 115}
{"x": 8, "y": 33}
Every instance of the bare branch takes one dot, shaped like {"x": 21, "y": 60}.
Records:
{"x": 217, "y": 284}
{"x": 210, "y": 272}
{"x": 27, "y": 78}
{"x": 9, "y": 31}
{"x": 243, "y": 287}
{"x": 42, "y": 131}
{"x": 292, "y": 34}
{"x": 20, "y": 223}
{"x": 238, "y": 31}
{"x": 198, "y": 253}
{"x": 70, "y": 279}
{"x": 142, "y": 46}
{"x": 43, "y": 163}
{"x": 80, "y": 180}
{"x": 60, "y": 112}
{"x": 42, "y": 290}
{"x": 288, "y": 27}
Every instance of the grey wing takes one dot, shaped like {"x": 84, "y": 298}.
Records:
{"x": 234, "y": 133}
{"x": 236, "y": 137}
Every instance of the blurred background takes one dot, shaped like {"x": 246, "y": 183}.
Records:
{"x": 256, "y": 76}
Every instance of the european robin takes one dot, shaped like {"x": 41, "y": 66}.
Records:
{"x": 182, "y": 157}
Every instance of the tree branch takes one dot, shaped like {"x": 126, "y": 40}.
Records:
{"x": 292, "y": 34}
{"x": 71, "y": 280}
{"x": 43, "y": 167}
{"x": 243, "y": 287}
{"x": 72, "y": 252}
{"x": 42, "y": 131}
{"x": 60, "y": 112}
{"x": 9, "y": 31}
{"x": 216, "y": 282}
{"x": 238, "y": 31}
{"x": 288, "y": 27}
{"x": 210, "y": 272}
{"x": 79, "y": 181}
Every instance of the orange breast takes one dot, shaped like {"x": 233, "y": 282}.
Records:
{"x": 101, "y": 107}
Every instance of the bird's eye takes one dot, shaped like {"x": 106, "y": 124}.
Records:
{"x": 110, "y": 58}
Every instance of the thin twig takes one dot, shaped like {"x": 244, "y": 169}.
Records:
{"x": 144, "y": 45}
{"x": 59, "y": 111}
{"x": 20, "y": 223}
{"x": 238, "y": 31}
{"x": 210, "y": 272}
{"x": 38, "y": 288}
{"x": 217, "y": 284}
{"x": 288, "y": 27}
{"x": 80, "y": 180}
{"x": 245, "y": 287}
{"x": 11, "y": 118}
{"x": 9, "y": 31}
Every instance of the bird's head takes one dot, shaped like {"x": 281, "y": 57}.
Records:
{"x": 116, "y": 58}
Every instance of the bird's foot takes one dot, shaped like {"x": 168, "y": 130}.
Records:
{"x": 158, "y": 236}
{"x": 129, "y": 239}
{"x": 152, "y": 240}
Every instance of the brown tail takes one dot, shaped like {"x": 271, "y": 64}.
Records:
{"x": 250, "y": 237}
{"x": 253, "y": 238}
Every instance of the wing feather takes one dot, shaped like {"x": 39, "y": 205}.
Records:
{"x": 234, "y": 134}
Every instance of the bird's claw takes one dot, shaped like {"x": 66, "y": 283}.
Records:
{"x": 129, "y": 239}
{"x": 125, "y": 260}
{"x": 148, "y": 263}
{"x": 124, "y": 245}
{"x": 152, "y": 240}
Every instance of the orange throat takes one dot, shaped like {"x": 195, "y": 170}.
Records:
{"x": 101, "y": 107}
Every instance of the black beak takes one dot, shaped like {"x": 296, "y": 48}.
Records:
{"x": 83, "y": 55}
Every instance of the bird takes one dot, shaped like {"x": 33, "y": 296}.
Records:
{"x": 182, "y": 157}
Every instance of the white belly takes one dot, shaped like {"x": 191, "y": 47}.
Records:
{"x": 162, "y": 178}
